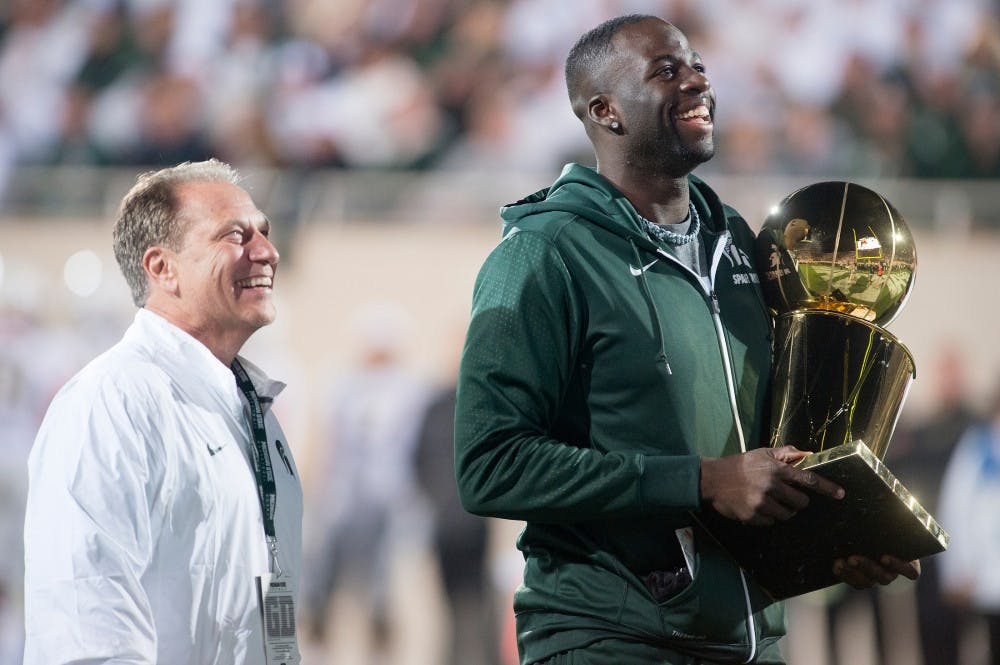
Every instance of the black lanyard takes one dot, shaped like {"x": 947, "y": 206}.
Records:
{"x": 263, "y": 473}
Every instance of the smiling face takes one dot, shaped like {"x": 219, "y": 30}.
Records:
{"x": 659, "y": 90}
{"x": 218, "y": 285}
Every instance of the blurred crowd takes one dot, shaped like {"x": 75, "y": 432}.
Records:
{"x": 832, "y": 87}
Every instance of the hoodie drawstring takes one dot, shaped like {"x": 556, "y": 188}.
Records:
{"x": 648, "y": 295}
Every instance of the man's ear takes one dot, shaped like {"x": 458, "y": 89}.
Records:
{"x": 159, "y": 265}
{"x": 602, "y": 113}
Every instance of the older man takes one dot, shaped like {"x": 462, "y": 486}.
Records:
{"x": 164, "y": 511}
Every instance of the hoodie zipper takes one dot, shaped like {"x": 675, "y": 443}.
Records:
{"x": 720, "y": 333}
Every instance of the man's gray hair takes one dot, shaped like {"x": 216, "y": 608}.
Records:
{"x": 148, "y": 217}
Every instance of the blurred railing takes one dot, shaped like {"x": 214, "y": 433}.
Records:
{"x": 306, "y": 196}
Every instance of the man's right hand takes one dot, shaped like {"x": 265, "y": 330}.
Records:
{"x": 761, "y": 486}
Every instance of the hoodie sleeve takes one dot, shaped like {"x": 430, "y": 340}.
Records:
{"x": 87, "y": 535}
{"x": 519, "y": 357}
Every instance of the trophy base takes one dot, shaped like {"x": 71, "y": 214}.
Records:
{"x": 876, "y": 516}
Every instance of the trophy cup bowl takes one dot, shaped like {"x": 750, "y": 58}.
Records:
{"x": 837, "y": 264}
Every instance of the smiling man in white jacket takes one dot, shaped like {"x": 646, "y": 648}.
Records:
{"x": 164, "y": 512}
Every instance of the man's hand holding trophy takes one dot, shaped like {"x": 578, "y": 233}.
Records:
{"x": 836, "y": 263}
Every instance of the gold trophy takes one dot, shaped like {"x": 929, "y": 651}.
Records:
{"x": 836, "y": 263}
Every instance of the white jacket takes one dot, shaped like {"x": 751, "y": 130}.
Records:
{"x": 143, "y": 532}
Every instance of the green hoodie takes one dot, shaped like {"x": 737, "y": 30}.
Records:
{"x": 597, "y": 371}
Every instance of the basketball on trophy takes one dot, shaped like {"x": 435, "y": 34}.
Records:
{"x": 840, "y": 247}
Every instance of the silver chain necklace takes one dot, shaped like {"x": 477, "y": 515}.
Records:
{"x": 657, "y": 232}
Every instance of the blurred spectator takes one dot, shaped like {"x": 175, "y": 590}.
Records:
{"x": 970, "y": 511}
{"x": 43, "y": 47}
{"x": 383, "y": 112}
{"x": 459, "y": 538}
{"x": 919, "y": 452}
{"x": 981, "y": 125}
{"x": 24, "y": 394}
{"x": 242, "y": 76}
{"x": 747, "y": 146}
{"x": 37, "y": 355}
{"x": 813, "y": 143}
{"x": 367, "y": 510}
{"x": 171, "y": 122}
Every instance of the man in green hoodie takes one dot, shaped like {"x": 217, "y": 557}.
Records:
{"x": 614, "y": 383}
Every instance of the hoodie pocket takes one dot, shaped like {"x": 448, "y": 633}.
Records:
{"x": 718, "y": 608}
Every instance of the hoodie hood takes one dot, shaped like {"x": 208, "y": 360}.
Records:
{"x": 582, "y": 191}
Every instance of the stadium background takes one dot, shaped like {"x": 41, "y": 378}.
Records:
{"x": 381, "y": 136}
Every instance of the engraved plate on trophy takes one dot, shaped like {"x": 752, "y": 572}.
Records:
{"x": 837, "y": 263}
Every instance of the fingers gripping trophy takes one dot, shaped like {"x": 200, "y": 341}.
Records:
{"x": 837, "y": 264}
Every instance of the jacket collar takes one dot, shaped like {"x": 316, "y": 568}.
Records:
{"x": 582, "y": 191}
{"x": 192, "y": 364}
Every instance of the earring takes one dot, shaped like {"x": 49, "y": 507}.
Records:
{"x": 616, "y": 126}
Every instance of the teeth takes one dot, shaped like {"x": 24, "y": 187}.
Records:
{"x": 254, "y": 281}
{"x": 699, "y": 112}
